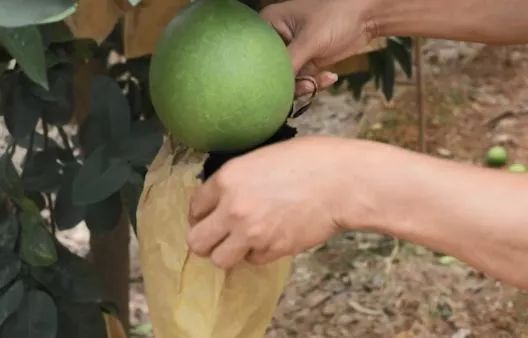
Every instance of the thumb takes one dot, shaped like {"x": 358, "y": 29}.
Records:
{"x": 302, "y": 50}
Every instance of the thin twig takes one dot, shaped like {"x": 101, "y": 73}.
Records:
{"x": 45, "y": 131}
{"x": 361, "y": 309}
{"x": 65, "y": 140}
{"x": 29, "y": 152}
{"x": 494, "y": 121}
{"x": 12, "y": 149}
{"x": 420, "y": 99}
{"x": 52, "y": 212}
{"x": 389, "y": 261}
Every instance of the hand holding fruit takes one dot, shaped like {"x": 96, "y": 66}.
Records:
{"x": 315, "y": 41}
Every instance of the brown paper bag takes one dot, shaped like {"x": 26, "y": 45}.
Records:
{"x": 187, "y": 295}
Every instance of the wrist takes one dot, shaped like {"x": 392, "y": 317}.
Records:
{"x": 369, "y": 182}
{"x": 404, "y": 18}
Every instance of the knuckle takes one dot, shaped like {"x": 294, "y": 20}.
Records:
{"x": 197, "y": 249}
{"x": 256, "y": 235}
{"x": 225, "y": 177}
{"x": 193, "y": 242}
{"x": 269, "y": 11}
{"x": 280, "y": 248}
{"x": 220, "y": 262}
{"x": 238, "y": 211}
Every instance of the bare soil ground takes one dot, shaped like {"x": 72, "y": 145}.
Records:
{"x": 366, "y": 285}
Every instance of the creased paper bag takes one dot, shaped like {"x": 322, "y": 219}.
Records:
{"x": 188, "y": 296}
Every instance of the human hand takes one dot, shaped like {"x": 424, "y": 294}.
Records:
{"x": 276, "y": 201}
{"x": 319, "y": 34}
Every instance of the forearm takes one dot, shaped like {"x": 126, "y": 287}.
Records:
{"x": 485, "y": 21}
{"x": 478, "y": 215}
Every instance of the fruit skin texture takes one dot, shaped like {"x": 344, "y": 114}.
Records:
{"x": 221, "y": 78}
{"x": 497, "y": 156}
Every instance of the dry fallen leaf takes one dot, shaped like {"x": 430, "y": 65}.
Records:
{"x": 94, "y": 19}
{"x": 144, "y": 24}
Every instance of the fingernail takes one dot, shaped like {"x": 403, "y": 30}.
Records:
{"x": 333, "y": 77}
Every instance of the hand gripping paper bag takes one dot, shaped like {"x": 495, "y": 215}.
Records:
{"x": 188, "y": 296}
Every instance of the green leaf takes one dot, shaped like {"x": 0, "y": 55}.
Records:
{"x": 25, "y": 45}
{"x": 102, "y": 217}
{"x": 7, "y": 83}
{"x": 4, "y": 56}
{"x": 37, "y": 198}
{"x": 109, "y": 107}
{"x": 405, "y": 40}
{"x": 37, "y": 247}
{"x": 145, "y": 140}
{"x": 42, "y": 171}
{"x": 14, "y": 13}
{"x": 10, "y": 182}
{"x": 22, "y": 109}
{"x": 402, "y": 54}
{"x": 71, "y": 278}
{"x": 3, "y": 67}
{"x": 10, "y": 301}
{"x": 9, "y": 267}
{"x": 38, "y": 142}
{"x": 60, "y": 16}
{"x": 130, "y": 194}
{"x": 100, "y": 177}
{"x": 91, "y": 135}
{"x": 59, "y": 110}
{"x": 68, "y": 215}
{"x": 57, "y": 32}
{"x": 376, "y": 64}
{"x": 135, "y": 99}
{"x": 80, "y": 320}
{"x": 8, "y": 231}
{"x": 357, "y": 81}
{"x": 389, "y": 75}
{"x": 36, "y": 317}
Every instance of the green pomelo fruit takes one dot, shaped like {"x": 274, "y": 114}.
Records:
{"x": 221, "y": 78}
{"x": 497, "y": 156}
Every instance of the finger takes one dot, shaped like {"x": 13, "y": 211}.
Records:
{"x": 230, "y": 252}
{"x": 207, "y": 234}
{"x": 274, "y": 15}
{"x": 203, "y": 201}
{"x": 324, "y": 80}
{"x": 301, "y": 50}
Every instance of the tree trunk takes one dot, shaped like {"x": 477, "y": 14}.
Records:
{"x": 111, "y": 258}
{"x": 110, "y": 252}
